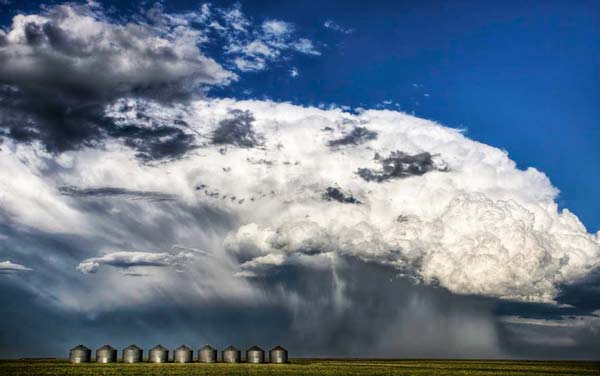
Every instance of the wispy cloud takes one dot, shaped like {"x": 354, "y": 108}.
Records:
{"x": 329, "y": 24}
{"x": 7, "y": 267}
{"x": 252, "y": 46}
{"x": 99, "y": 192}
{"x": 126, "y": 260}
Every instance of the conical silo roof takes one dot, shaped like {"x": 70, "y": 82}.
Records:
{"x": 80, "y": 354}
{"x": 105, "y": 347}
{"x": 158, "y": 354}
{"x": 278, "y": 355}
{"x": 255, "y": 355}
{"x": 183, "y": 354}
{"x": 133, "y": 354}
{"x": 207, "y": 354}
{"x": 231, "y": 355}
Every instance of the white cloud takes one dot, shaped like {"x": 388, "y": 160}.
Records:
{"x": 235, "y": 19}
{"x": 252, "y": 46}
{"x": 277, "y": 28}
{"x": 255, "y": 49}
{"x": 444, "y": 209}
{"x": 306, "y": 47}
{"x": 250, "y": 65}
{"x": 563, "y": 321}
{"x": 294, "y": 72}
{"x": 564, "y": 331}
{"x": 329, "y": 24}
{"x": 7, "y": 267}
{"x": 26, "y": 197}
{"x": 79, "y": 42}
{"x": 126, "y": 260}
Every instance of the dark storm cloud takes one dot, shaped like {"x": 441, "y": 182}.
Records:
{"x": 59, "y": 122}
{"x": 55, "y": 79}
{"x": 31, "y": 328}
{"x": 158, "y": 143}
{"x": 584, "y": 293}
{"x": 236, "y": 130}
{"x": 324, "y": 321}
{"x": 114, "y": 191}
{"x": 569, "y": 338}
{"x": 358, "y": 309}
{"x": 350, "y": 308}
{"x": 334, "y": 193}
{"x": 359, "y": 135}
{"x": 400, "y": 165}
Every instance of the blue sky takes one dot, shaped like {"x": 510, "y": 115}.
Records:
{"x": 151, "y": 165}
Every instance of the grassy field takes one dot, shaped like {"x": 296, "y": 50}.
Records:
{"x": 307, "y": 367}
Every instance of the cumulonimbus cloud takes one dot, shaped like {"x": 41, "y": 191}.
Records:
{"x": 419, "y": 197}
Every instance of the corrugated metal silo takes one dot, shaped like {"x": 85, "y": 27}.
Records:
{"x": 106, "y": 354}
{"x": 80, "y": 354}
{"x": 255, "y": 355}
{"x": 158, "y": 354}
{"x": 183, "y": 354}
{"x": 278, "y": 355}
{"x": 232, "y": 355}
{"x": 132, "y": 354}
{"x": 207, "y": 354}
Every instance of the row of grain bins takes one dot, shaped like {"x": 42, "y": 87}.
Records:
{"x": 182, "y": 354}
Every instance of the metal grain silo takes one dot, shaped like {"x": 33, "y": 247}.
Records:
{"x": 278, "y": 355}
{"x": 158, "y": 354}
{"x": 207, "y": 354}
{"x": 255, "y": 355}
{"x": 132, "y": 354}
{"x": 80, "y": 354}
{"x": 183, "y": 354}
{"x": 106, "y": 354}
{"x": 232, "y": 355}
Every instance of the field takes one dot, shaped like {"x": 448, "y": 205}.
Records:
{"x": 327, "y": 367}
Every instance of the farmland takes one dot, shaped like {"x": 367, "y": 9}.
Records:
{"x": 325, "y": 367}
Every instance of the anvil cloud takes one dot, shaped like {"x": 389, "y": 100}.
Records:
{"x": 444, "y": 209}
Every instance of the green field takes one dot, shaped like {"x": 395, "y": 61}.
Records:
{"x": 307, "y": 367}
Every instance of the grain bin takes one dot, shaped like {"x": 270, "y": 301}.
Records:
{"x": 132, "y": 354}
{"x": 80, "y": 354}
{"x": 255, "y": 355}
{"x": 106, "y": 354}
{"x": 278, "y": 355}
{"x": 158, "y": 354}
{"x": 183, "y": 354}
{"x": 207, "y": 354}
{"x": 232, "y": 355}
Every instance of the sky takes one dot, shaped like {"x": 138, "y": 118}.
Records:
{"x": 270, "y": 173}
